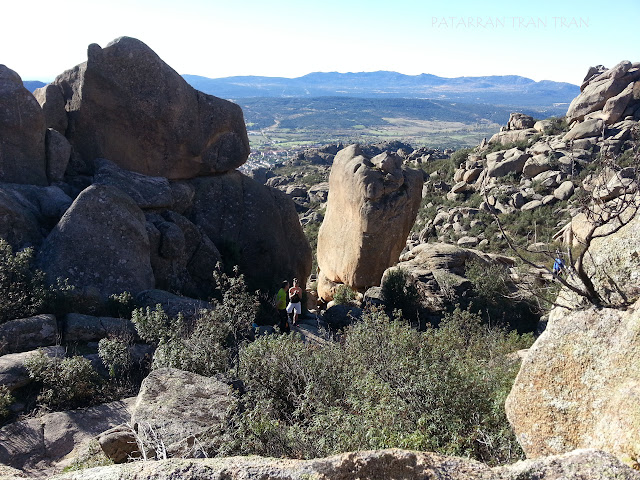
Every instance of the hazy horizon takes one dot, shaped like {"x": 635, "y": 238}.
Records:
{"x": 545, "y": 40}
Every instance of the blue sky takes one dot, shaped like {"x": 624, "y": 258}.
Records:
{"x": 544, "y": 40}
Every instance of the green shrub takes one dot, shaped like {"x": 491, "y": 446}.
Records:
{"x": 115, "y": 355}
{"x": 153, "y": 326}
{"x": 207, "y": 344}
{"x": 557, "y": 126}
{"x": 399, "y": 292}
{"x": 120, "y": 305}
{"x": 494, "y": 297}
{"x": 460, "y": 156}
{"x": 66, "y": 382}
{"x": 344, "y": 295}
{"x": 6, "y": 399}
{"x": 385, "y": 385}
{"x": 22, "y": 288}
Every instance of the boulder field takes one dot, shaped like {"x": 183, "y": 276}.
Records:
{"x": 122, "y": 176}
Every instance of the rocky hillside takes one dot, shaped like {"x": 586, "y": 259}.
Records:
{"x": 122, "y": 177}
{"x": 124, "y": 214}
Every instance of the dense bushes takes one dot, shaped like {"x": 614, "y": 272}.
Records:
{"x": 399, "y": 292}
{"x": 385, "y": 385}
{"x": 66, "y": 382}
{"x": 208, "y": 343}
{"x": 22, "y": 288}
{"x": 344, "y": 295}
{"x": 497, "y": 299}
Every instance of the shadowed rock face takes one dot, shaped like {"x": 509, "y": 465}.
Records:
{"x": 101, "y": 242}
{"x": 22, "y": 133}
{"x": 371, "y": 207}
{"x": 253, "y": 226}
{"x": 125, "y": 104}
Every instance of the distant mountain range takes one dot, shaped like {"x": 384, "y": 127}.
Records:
{"x": 509, "y": 90}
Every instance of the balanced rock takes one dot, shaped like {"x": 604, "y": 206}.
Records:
{"x": 22, "y": 150}
{"x": 125, "y": 104}
{"x": 371, "y": 208}
{"x": 100, "y": 242}
{"x": 578, "y": 387}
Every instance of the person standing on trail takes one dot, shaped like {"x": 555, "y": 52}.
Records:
{"x": 558, "y": 266}
{"x": 281, "y": 305}
{"x": 295, "y": 301}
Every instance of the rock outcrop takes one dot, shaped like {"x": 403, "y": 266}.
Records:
{"x": 608, "y": 95}
{"x": 126, "y": 134}
{"x": 19, "y": 220}
{"x": 253, "y": 226}
{"x": 125, "y": 104}
{"x": 22, "y": 149}
{"x": 613, "y": 264}
{"x": 370, "y": 465}
{"x": 176, "y": 407}
{"x": 29, "y": 333}
{"x": 38, "y": 445}
{"x": 371, "y": 208}
{"x": 579, "y": 385}
{"x": 101, "y": 242}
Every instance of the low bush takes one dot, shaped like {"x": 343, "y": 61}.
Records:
{"x": 344, "y": 295}
{"x": 6, "y": 399}
{"x": 115, "y": 355}
{"x": 385, "y": 385}
{"x": 207, "y": 344}
{"x": 399, "y": 292}
{"x": 66, "y": 383}
{"x": 22, "y": 288}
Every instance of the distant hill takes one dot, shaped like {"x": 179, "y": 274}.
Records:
{"x": 32, "y": 85}
{"x": 510, "y": 90}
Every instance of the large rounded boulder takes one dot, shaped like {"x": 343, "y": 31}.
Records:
{"x": 101, "y": 242}
{"x": 125, "y": 104}
{"x": 579, "y": 385}
{"x": 253, "y": 226}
